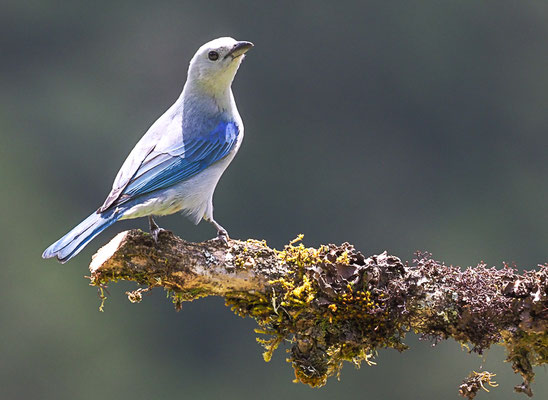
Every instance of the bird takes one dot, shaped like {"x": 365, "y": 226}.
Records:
{"x": 178, "y": 162}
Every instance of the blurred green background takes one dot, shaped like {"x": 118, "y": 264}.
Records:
{"x": 401, "y": 125}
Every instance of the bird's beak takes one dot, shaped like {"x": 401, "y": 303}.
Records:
{"x": 239, "y": 49}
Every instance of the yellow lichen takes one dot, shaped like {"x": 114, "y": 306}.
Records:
{"x": 269, "y": 344}
{"x": 325, "y": 333}
{"x": 261, "y": 243}
{"x": 343, "y": 258}
{"x": 485, "y": 378}
{"x": 299, "y": 255}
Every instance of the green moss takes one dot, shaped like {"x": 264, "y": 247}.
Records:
{"x": 347, "y": 327}
{"x": 335, "y": 305}
{"x": 178, "y": 297}
{"x": 525, "y": 351}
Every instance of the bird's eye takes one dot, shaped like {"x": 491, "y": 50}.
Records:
{"x": 213, "y": 55}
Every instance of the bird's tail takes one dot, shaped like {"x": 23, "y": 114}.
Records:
{"x": 74, "y": 241}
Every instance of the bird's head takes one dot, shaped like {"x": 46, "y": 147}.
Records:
{"x": 215, "y": 63}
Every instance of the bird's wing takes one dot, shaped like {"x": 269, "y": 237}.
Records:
{"x": 161, "y": 168}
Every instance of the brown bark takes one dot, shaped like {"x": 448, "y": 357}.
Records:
{"x": 334, "y": 304}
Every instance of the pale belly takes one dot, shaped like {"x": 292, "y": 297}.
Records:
{"x": 193, "y": 197}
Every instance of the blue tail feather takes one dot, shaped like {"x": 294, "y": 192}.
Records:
{"x": 74, "y": 241}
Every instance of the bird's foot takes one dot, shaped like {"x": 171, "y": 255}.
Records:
{"x": 156, "y": 233}
{"x": 155, "y": 230}
{"x": 222, "y": 235}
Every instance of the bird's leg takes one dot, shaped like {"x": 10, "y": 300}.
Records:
{"x": 154, "y": 228}
{"x": 222, "y": 234}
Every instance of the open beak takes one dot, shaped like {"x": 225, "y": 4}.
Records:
{"x": 239, "y": 49}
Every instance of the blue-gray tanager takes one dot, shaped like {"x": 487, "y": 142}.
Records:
{"x": 178, "y": 162}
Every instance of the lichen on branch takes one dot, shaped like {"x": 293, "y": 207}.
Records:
{"x": 333, "y": 304}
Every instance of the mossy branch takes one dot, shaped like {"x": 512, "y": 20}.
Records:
{"x": 333, "y": 304}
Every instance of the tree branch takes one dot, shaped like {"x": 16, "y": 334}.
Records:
{"x": 334, "y": 305}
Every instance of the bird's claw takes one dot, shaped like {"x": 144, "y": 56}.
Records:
{"x": 223, "y": 237}
{"x": 155, "y": 230}
{"x": 156, "y": 233}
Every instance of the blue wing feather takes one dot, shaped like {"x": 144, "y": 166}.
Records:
{"x": 162, "y": 170}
